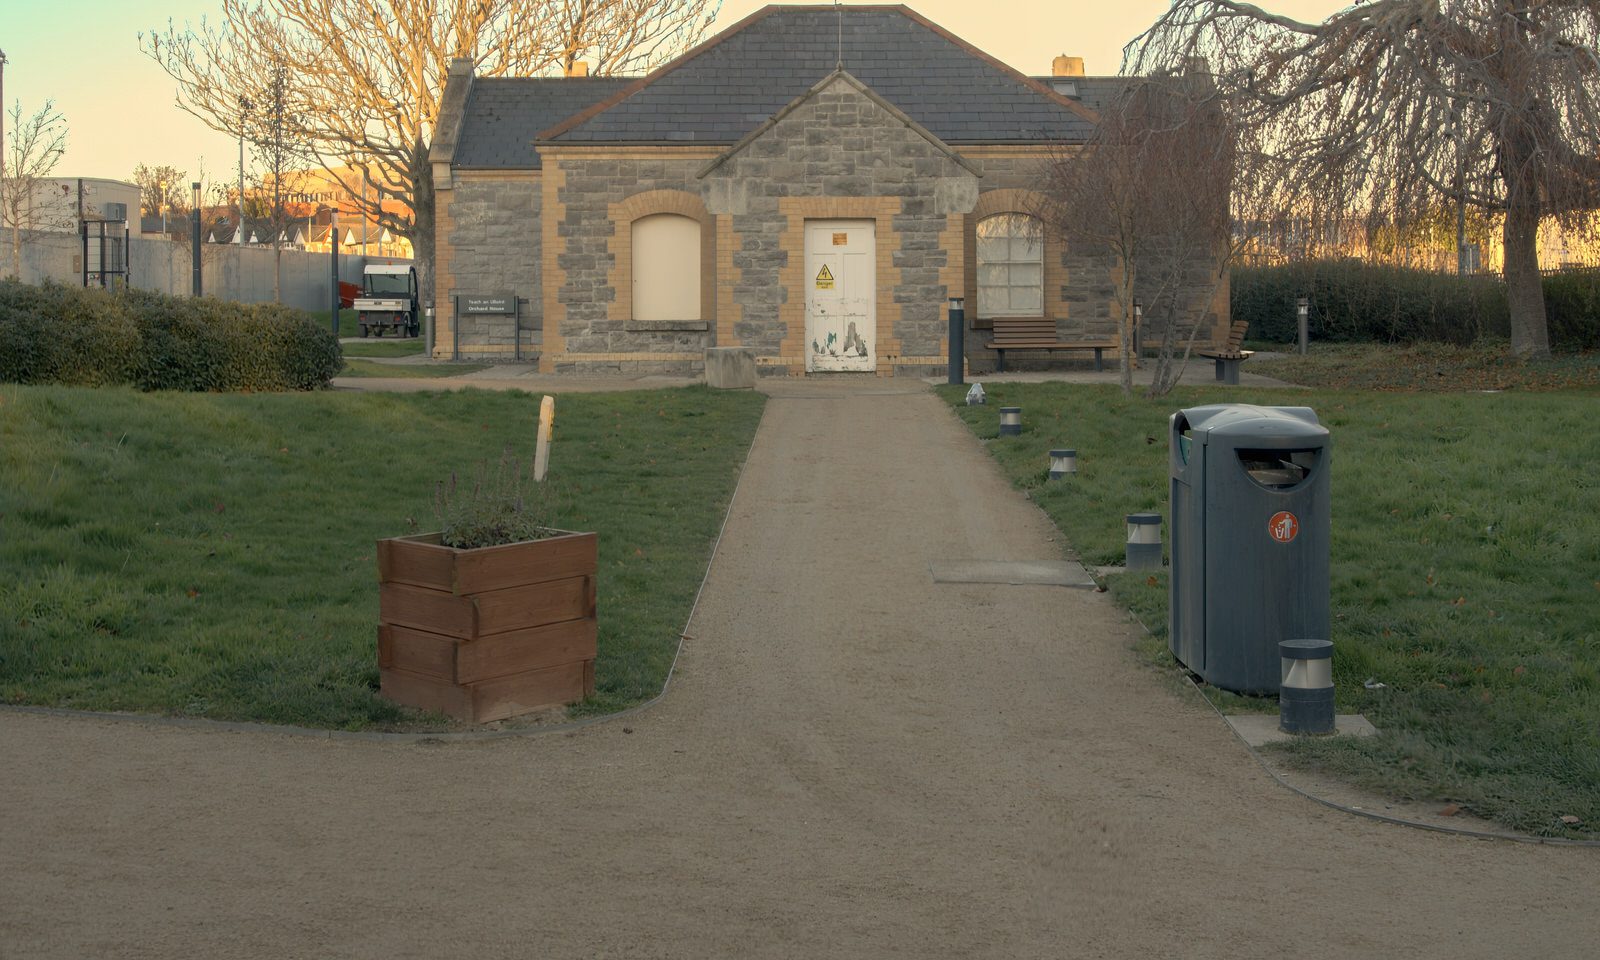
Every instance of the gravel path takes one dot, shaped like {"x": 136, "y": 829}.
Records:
{"x": 852, "y": 762}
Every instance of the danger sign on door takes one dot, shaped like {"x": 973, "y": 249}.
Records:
{"x": 824, "y": 278}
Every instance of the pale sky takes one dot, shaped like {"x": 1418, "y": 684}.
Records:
{"x": 120, "y": 108}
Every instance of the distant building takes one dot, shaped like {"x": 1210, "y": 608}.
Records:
{"x": 314, "y": 196}
{"x": 60, "y": 202}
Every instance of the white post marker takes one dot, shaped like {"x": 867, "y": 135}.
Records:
{"x": 541, "y": 453}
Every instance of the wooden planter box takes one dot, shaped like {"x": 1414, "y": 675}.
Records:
{"x": 487, "y": 633}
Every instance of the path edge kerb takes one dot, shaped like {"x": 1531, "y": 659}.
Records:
{"x": 443, "y": 736}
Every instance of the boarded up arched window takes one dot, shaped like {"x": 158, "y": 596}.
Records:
{"x": 1010, "y": 266}
{"x": 666, "y": 268}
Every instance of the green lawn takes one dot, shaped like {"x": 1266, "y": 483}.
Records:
{"x": 1426, "y": 366}
{"x": 357, "y": 367}
{"x": 212, "y": 555}
{"x": 384, "y": 347}
{"x": 347, "y": 321}
{"x": 1465, "y": 574}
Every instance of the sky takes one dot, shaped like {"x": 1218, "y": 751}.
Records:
{"x": 120, "y": 107}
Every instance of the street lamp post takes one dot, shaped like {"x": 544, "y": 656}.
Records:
{"x": 195, "y": 240}
{"x": 2, "y": 119}
{"x": 244, "y": 111}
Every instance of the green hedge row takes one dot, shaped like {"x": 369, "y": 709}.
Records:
{"x": 1350, "y": 300}
{"x": 69, "y": 335}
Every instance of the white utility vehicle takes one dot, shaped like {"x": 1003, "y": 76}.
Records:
{"x": 388, "y": 300}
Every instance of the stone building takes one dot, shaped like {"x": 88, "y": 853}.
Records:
{"x": 813, "y": 183}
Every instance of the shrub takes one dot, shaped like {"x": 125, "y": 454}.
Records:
{"x": 1572, "y": 305}
{"x": 61, "y": 334}
{"x": 503, "y": 506}
{"x": 1351, "y": 300}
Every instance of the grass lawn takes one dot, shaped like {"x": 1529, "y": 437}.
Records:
{"x": 384, "y": 347}
{"x": 1426, "y": 366}
{"x": 347, "y": 321}
{"x": 213, "y": 555}
{"x": 356, "y": 367}
{"x": 1465, "y": 574}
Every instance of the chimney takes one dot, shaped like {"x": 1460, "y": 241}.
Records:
{"x": 1065, "y": 66}
{"x": 578, "y": 68}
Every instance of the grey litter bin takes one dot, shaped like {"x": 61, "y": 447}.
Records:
{"x": 1250, "y": 530}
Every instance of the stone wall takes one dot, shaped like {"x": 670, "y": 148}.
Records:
{"x": 584, "y": 334}
{"x": 841, "y": 144}
{"x": 1079, "y": 281}
{"x": 489, "y": 225}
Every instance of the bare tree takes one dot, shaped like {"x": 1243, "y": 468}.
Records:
{"x": 271, "y": 124}
{"x": 1389, "y": 106}
{"x": 34, "y": 146}
{"x": 368, "y": 76}
{"x": 160, "y": 188}
{"x": 1167, "y": 192}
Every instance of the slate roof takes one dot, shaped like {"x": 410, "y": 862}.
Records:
{"x": 504, "y": 114}
{"x": 720, "y": 91}
{"x": 1096, "y": 93}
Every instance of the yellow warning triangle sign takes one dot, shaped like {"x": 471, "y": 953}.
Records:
{"x": 823, "y": 274}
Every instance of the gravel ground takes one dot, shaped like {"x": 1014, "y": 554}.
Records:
{"x": 852, "y": 761}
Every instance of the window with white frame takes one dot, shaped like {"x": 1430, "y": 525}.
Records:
{"x": 1010, "y": 266}
{"x": 666, "y": 268}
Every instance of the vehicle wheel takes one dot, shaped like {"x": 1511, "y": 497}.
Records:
{"x": 414, "y": 331}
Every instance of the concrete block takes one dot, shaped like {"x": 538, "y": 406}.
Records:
{"x": 730, "y": 368}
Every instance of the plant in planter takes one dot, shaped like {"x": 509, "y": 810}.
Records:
{"x": 494, "y": 615}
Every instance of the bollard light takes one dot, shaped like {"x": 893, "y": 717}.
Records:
{"x": 957, "y": 339}
{"x": 1144, "y": 541}
{"x": 1302, "y": 309}
{"x": 1063, "y": 462}
{"x": 1305, "y": 693}
{"x": 1010, "y": 421}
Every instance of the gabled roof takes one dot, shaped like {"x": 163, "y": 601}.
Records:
{"x": 722, "y": 89}
{"x": 504, "y": 114}
{"x": 842, "y": 76}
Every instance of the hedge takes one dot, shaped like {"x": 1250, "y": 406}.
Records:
{"x": 69, "y": 335}
{"x": 1351, "y": 300}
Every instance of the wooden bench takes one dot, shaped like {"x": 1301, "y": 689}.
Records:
{"x": 1039, "y": 333}
{"x": 1229, "y": 355}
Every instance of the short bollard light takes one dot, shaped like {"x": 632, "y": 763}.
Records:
{"x": 1063, "y": 462}
{"x": 1010, "y": 421}
{"x": 1144, "y": 541}
{"x": 1305, "y": 694}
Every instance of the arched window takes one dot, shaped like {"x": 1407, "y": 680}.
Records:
{"x": 666, "y": 268}
{"x": 1010, "y": 266}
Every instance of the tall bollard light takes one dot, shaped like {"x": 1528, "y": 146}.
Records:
{"x": 958, "y": 336}
{"x": 1062, "y": 463}
{"x": 1302, "y": 309}
{"x": 1144, "y": 541}
{"x": 1305, "y": 694}
{"x": 1010, "y": 421}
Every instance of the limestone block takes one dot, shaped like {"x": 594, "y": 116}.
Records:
{"x": 730, "y": 368}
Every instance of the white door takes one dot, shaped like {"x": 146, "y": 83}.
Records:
{"x": 841, "y": 295}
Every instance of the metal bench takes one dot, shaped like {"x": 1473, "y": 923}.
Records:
{"x": 1039, "y": 333}
{"x": 1229, "y": 355}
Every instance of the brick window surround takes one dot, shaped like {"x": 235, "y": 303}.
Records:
{"x": 649, "y": 203}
